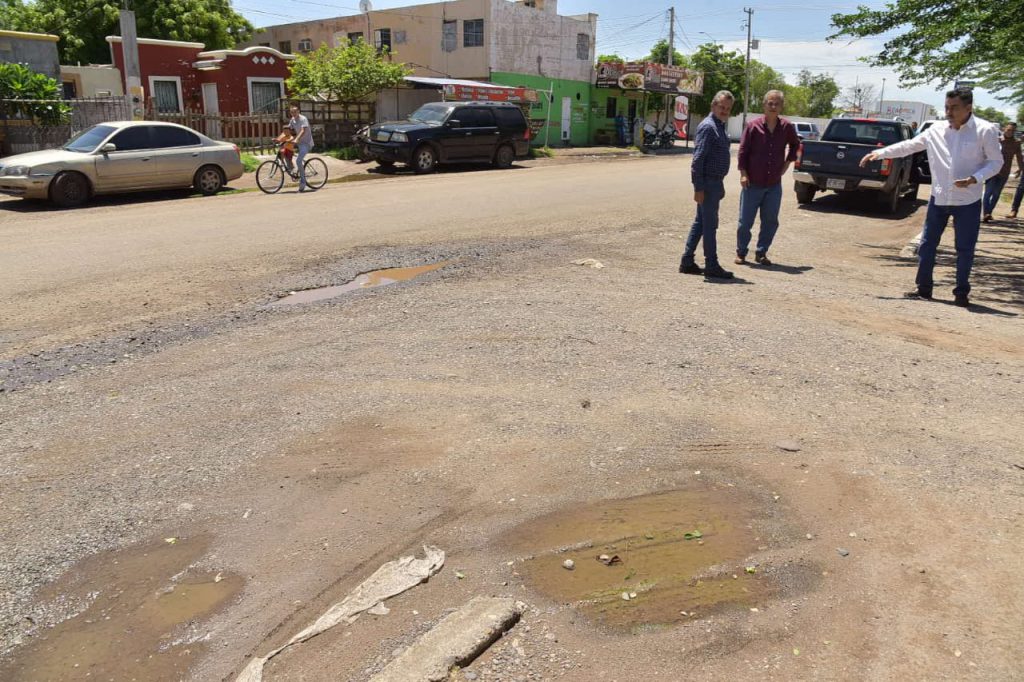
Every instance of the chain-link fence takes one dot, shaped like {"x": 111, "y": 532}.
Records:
{"x": 21, "y": 133}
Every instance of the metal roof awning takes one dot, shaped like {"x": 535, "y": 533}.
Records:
{"x": 439, "y": 83}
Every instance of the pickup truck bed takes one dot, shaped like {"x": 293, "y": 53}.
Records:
{"x": 833, "y": 163}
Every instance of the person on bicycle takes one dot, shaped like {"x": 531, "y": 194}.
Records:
{"x": 299, "y": 125}
{"x": 286, "y": 141}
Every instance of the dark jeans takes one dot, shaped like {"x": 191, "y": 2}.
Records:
{"x": 1018, "y": 195}
{"x": 993, "y": 188}
{"x": 705, "y": 225}
{"x": 756, "y": 198}
{"x": 966, "y": 225}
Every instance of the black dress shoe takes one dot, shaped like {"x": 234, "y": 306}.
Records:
{"x": 961, "y": 300}
{"x": 922, "y": 294}
{"x": 717, "y": 273}
{"x": 691, "y": 269}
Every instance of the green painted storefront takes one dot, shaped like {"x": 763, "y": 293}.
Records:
{"x": 573, "y": 98}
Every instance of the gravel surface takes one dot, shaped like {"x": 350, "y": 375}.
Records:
{"x": 311, "y": 444}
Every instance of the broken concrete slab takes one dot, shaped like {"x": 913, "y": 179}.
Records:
{"x": 457, "y": 640}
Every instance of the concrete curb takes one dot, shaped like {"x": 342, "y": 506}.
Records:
{"x": 458, "y": 639}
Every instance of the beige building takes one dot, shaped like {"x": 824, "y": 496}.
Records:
{"x": 91, "y": 81}
{"x": 459, "y": 39}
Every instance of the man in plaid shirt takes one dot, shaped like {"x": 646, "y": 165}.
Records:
{"x": 708, "y": 168}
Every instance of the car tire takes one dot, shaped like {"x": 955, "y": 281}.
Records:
{"x": 69, "y": 190}
{"x": 385, "y": 163}
{"x": 505, "y": 156}
{"x": 890, "y": 201}
{"x": 912, "y": 192}
{"x": 804, "y": 192}
{"x": 209, "y": 180}
{"x": 424, "y": 159}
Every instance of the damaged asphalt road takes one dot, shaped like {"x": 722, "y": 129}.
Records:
{"x": 292, "y": 451}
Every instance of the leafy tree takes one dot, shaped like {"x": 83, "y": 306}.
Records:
{"x": 1020, "y": 114}
{"x": 659, "y": 55}
{"x": 762, "y": 79}
{"x": 348, "y": 73}
{"x": 861, "y": 98}
{"x": 610, "y": 58}
{"x": 722, "y": 71}
{"x": 83, "y": 25}
{"x": 945, "y": 40}
{"x": 992, "y": 114}
{"x": 18, "y": 82}
{"x": 797, "y": 100}
{"x": 823, "y": 93}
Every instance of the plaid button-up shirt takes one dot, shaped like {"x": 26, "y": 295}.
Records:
{"x": 710, "y": 153}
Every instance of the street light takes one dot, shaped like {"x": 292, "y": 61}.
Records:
{"x": 705, "y": 33}
{"x": 881, "y": 98}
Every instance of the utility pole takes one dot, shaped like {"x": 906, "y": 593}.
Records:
{"x": 130, "y": 52}
{"x": 746, "y": 95}
{"x": 671, "y": 34}
{"x": 881, "y": 98}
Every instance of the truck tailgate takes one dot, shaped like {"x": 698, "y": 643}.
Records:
{"x": 838, "y": 159}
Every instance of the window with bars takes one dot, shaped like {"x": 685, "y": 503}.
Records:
{"x": 353, "y": 38}
{"x": 305, "y": 45}
{"x": 583, "y": 46}
{"x": 284, "y": 46}
{"x": 473, "y": 33}
{"x": 265, "y": 96}
{"x": 165, "y": 95}
{"x": 382, "y": 39}
{"x": 449, "y": 35}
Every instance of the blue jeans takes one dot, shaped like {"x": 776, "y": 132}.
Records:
{"x": 768, "y": 200}
{"x": 993, "y": 188}
{"x": 966, "y": 225}
{"x": 300, "y": 160}
{"x": 705, "y": 225}
{"x": 1018, "y": 195}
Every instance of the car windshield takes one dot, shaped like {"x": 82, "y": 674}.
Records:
{"x": 89, "y": 139}
{"x": 431, "y": 113}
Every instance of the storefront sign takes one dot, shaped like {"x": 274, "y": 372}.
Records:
{"x": 476, "y": 93}
{"x": 650, "y": 77}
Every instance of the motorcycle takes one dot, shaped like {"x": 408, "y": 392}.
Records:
{"x": 659, "y": 139}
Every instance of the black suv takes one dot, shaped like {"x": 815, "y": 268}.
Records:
{"x": 447, "y": 132}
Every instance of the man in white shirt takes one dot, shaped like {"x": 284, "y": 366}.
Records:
{"x": 963, "y": 153}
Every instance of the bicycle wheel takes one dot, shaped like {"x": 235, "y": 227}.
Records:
{"x": 316, "y": 173}
{"x": 270, "y": 177}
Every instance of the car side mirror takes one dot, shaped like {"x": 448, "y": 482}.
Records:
{"x": 108, "y": 147}
{"x": 454, "y": 123}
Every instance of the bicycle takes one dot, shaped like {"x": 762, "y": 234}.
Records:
{"x": 271, "y": 174}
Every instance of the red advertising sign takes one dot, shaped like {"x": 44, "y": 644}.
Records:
{"x": 477, "y": 93}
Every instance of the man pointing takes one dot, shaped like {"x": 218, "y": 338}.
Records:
{"x": 963, "y": 153}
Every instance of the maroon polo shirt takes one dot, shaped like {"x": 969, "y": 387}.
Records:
{"x": 763, "y": 154}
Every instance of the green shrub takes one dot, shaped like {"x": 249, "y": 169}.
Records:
{"x": 541, "y": 153}
{"x": 249, "y": 162}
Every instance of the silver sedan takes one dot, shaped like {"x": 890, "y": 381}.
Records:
{"x": 123, "y": 156}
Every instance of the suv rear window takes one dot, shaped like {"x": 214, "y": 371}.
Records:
{"x": 509, "y": 117}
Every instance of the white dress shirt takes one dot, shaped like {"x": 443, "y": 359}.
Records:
{"x": 973, "y": 150}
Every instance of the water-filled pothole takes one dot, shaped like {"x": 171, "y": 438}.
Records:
{"x": 651, "y": 560}
{"x": 143, "y": 601}
{"x": 368, "y": 280}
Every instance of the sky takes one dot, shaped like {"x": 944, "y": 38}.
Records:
{"x": 792, "y": 37}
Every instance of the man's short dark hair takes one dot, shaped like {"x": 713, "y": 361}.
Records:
{"x": 962, "y": 94}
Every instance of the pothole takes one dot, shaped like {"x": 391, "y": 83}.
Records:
{"x": 144, "y": 606}
{"x": 647, "y": 561}
{"x": 368, "y": 280}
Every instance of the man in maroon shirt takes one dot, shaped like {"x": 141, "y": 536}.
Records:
{"x": 763, "y": 160}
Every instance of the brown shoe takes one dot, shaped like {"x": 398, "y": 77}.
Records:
{"x": 986, "y": 218}
{"x": 1012, "y": 215}
{"x": 740, "y": 260}
{"x": 762, "y": 259}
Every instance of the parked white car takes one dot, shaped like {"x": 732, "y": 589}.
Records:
{"x": 123, "y": 156}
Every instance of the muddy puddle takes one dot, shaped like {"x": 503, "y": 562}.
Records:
{"x": 143, "y": 623}
{"x": 376, "y": 278}
{"x": 647, "y": 561}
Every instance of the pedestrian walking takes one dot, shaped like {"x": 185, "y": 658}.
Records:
{"x": 1018, "y": 196}
{"x": 1010, "y": 148}
{"x": 708, "y": 168}
{"x": 303, "y": 141}
{"x": 768, "y": 146}
{"x": 963, "y": 152}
